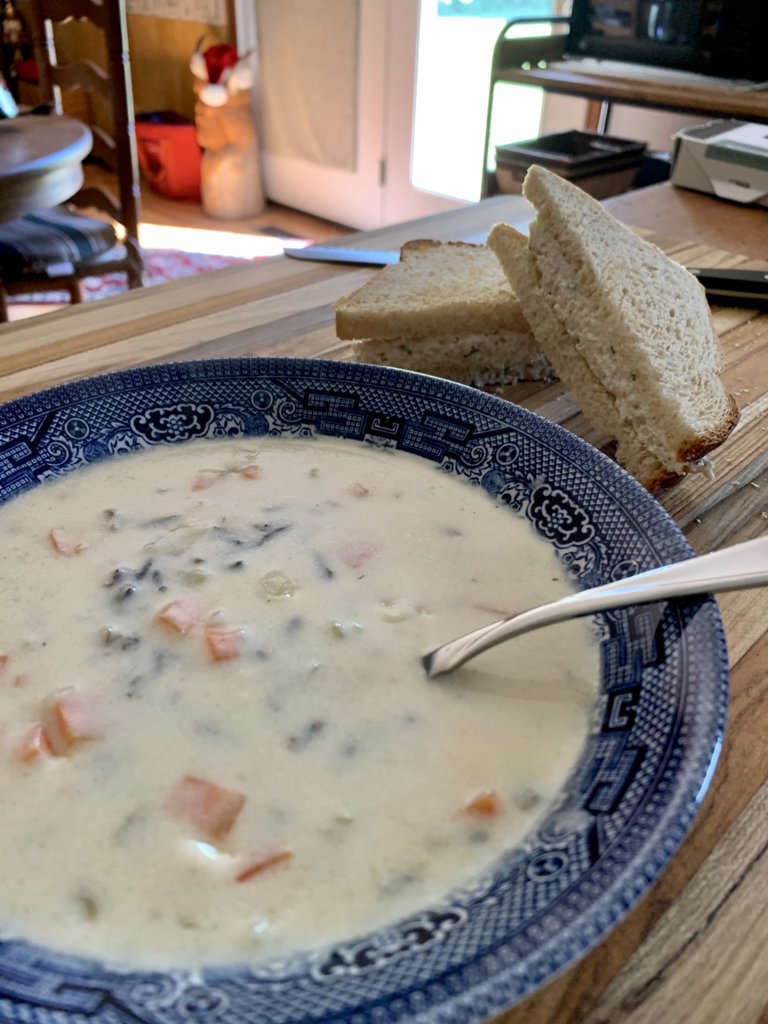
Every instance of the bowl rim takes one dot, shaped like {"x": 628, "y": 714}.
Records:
{"x": 489, "y": 993}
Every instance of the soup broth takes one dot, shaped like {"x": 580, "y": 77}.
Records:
{"x": 218, "y": 740}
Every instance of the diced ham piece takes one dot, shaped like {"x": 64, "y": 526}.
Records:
{"x": 205, "y": 478}
{"x": 356, "y": 555}
{"x": 70, "y": 718}
{"x": 35, "y": 744}
{"x": 484, "y": 804}
{"x": 224, "y": 644}
{"x": 66, "y": 545}
{"x": 256, "y": 867}
{"x": 181, "y": 615}
{"x": 210, "y": 810}
{"x": 358, "y": 490}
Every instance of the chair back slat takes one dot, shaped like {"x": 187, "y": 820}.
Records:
{"x": 100, "y": 198}
{"x": 82, "y": 74}
{"x": 90, "y": 10}
{"x": 104, "y": 149}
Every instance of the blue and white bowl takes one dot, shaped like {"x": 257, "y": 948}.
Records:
{"x": 624, "y": 811}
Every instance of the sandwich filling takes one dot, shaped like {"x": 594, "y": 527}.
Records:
{"x": 446, "y": 309}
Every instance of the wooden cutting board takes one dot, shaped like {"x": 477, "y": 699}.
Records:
{"x": 281, "y": 307}
{"x": 743, "y": 459}
{"x": 285, "y": 308}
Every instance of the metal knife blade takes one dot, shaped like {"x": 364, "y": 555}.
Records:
{"x": 342, "y": 254}
{"x": 734, "y": 287}
{"x": 723, "y": 286}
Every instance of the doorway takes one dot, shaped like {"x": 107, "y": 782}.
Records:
{"x": 373, "y": 111}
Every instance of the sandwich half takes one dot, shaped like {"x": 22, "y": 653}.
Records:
{"x": 445, "y": 309}
{"x": 627, "y": 329}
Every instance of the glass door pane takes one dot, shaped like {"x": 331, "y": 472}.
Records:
{"x": 455, "y": 48}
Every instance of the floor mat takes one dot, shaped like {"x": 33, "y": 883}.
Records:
{"x": 163, "y": 265}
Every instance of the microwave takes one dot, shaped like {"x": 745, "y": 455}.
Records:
{"x": 726, "y": 38}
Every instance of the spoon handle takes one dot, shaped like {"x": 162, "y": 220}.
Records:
{"x": 734, "y": 568}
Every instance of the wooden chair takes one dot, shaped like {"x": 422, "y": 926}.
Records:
{"x": 98, "y": 252}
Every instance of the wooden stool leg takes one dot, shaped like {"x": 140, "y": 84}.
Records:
{"x": 136, "y": 266}
{"x": 76, "y": 293}
{"x": 3, "y": 305}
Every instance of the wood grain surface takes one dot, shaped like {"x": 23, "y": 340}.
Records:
{"x": 695, "y": 949}
{"x": 641, "y": 85}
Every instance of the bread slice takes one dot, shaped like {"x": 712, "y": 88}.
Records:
{"x": 446, "y": 309}
{"x": 626, "y": 328}
{"x": 597, "y": 404}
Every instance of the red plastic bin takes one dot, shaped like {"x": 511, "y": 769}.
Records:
{"x": 170, "y": 158}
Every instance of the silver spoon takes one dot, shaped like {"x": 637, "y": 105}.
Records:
{"x": 735, "y": 568}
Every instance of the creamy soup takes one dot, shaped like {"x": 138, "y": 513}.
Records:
{"x": 217, "y": 737}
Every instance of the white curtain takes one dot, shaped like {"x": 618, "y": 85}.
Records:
{"x": 308, "y": 71}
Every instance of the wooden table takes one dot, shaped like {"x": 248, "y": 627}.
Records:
{"x": 695, "y": 950}
{"x": 40, "y": 162}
